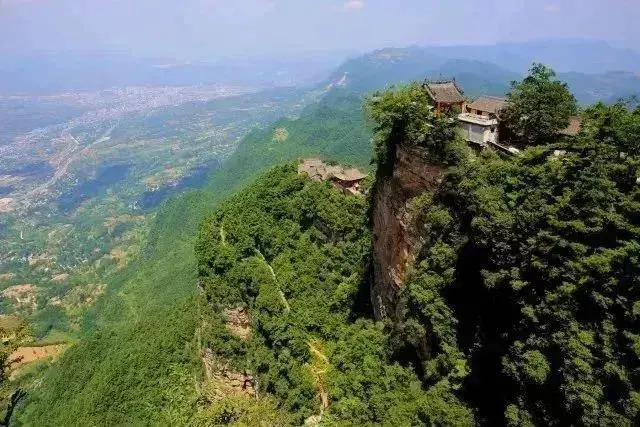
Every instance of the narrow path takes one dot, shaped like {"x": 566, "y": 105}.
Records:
{"x": 319, "y": 369}
{"x": 314, "y": 349}
{"x": 223, "y": 236}
{"x": 287, "y": 307}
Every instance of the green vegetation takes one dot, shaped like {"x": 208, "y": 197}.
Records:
{"x": 526, "y": 282}
{"x": 13, "y": 331}
{"x": 295, "y": 252}
{"x": 156, "y": 283}
{"x": 538, "y": 107}
{"x": 138, "y": 374}
{"x": 405, "y": 117}
{"x": 333, "y": 128}
{"x": 141, "y": 358}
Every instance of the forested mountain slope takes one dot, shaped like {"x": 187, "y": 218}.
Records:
{"x": 294, "y": 252}
{"x": 140, "y": 366}
{"x": 517, "y": 275}
{"x": 145, "y": 321}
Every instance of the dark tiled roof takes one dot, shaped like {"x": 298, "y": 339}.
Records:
{"x": 575, "y": 125}
{"x": 488, "y": 104}
{"x": 319, "y": 170}
{"x": 445, "y": 92}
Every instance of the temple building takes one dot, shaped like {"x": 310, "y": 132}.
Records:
{"x": 346, "y": 179}
{"x": 479, "y": 120}
{"x": 445, "y": 95}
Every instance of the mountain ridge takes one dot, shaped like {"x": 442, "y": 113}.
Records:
{"x": 476, "y": 73}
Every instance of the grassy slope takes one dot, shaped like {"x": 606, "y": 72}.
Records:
{"x": 140, "y": 366}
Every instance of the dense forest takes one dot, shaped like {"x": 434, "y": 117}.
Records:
{"x": 294, "y": 253}
{"x": 524, "y": 284}
{"x": 527, "y": 272}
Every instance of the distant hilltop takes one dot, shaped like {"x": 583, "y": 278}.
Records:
{"x": 595, "y": 71}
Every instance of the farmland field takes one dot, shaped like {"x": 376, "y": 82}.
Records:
{"x": 78, "y": 190}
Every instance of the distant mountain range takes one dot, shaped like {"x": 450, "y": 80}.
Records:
{"x": 585, "y": 56}
{"x": 54, "y": 73}
{"x": 476, "y": 69}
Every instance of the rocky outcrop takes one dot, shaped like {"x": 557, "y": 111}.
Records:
{"x": 395, "y": 241}
{"x": 238, "y": 322}
{"x": 222, "y": 381}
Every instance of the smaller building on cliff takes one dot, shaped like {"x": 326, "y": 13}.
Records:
{"x": 346, "y": 179}
{"x": 479, "y": 120}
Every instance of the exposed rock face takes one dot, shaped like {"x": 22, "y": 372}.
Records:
{"x": 23, "y": 296}
{"x": 222, "y": 381}
{"x": 394, "y": 241}
{"x": 239, "y": 322}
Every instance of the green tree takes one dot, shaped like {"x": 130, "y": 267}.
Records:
{"x": 13, "y": 331}
{"x": 615, "y": 124}
{"x": 538, "y": 107}
{"x": 530, "y": 271}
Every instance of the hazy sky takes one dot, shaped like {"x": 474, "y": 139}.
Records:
{"x": 248, "y": 27}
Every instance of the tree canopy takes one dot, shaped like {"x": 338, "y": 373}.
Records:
{"x": 530, "y": 273}
{"x": 538, "y": 107}
{"x": 405, "y": 115}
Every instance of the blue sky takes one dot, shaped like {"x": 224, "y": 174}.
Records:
{"x": 212, "y": 28}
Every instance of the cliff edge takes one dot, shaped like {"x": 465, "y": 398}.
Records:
{"x": 395, "y": 239}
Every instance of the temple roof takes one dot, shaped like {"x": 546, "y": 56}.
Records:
{"x": 488, "y": 104}
{"x": 320, "y": 171}
{"x": 351, "y": 174}
{"x": 446, "y": 92}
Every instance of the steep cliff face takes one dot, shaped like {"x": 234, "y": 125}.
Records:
{"x": 395, "y": 239}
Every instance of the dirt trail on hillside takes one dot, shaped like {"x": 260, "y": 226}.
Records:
{"x": 25, "y": 355}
